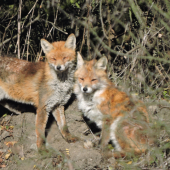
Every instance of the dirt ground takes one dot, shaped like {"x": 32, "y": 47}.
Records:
{"x": 18, "y": 145}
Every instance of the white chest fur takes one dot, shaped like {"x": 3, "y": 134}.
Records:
{"x": 62, "y": 89}
{"x": 88, "y": 105}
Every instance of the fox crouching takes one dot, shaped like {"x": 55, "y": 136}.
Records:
{"x": 46, "y": 85}
{"x": 123, "y": 122}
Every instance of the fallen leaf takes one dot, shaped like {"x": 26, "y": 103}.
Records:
{"x": 10, "y": 144}
{"x": 9, "y": 150}
{"x": 4, "y": 115}
{"x": 130, "y": 162}
{"x": 7, "y": 155}
{"x": 167, "y": 140}
{"x": 67, "y": 152}
{"x": 2, "y": 127}
{"x": 11, "y": 127}
{"x": 22, "y": 158}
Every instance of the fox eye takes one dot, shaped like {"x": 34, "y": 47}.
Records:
{"x": 93, "y": 79}
{"x": 64, "y": 58}
{"x": 82, "y": 79}
{"x": 54, "y": 59}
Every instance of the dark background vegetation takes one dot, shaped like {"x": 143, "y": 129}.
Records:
{"x": 133, "y": 34}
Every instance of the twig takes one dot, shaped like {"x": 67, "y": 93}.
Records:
{"x": 82, "y": 40}
{"x": 15, "y": 36}
{"x": 157, "y": 32}
{"x": 19, "y": 27}
{"x": 10, "y": 118}
{"x": 159, "y": 71}
{"x": 161, "y": 107}
{"x": 29, "y": 13}
{"x": 53, "y": 24}
{"x": 28, "y": 41}
{"x": 101, "y": 19}
{"x": 28, "y": 35}
{"x": 88, "y": 31}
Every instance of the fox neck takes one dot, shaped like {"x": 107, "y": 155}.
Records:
{"x": 88, "y": 96}
{"x": 63, "y": 76}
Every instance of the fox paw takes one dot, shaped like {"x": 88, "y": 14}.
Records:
{"x": 43, "y": 150}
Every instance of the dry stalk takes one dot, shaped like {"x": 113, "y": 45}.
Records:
{"x": 19, "y": 27}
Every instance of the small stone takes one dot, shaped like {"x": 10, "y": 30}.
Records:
{"x": 88, "y": 144}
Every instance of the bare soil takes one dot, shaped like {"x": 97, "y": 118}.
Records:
{"x": 18, "y": 145}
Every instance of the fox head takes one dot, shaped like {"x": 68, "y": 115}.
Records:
{"x": 60, "y": 55}
{"x": 91, "y": 75}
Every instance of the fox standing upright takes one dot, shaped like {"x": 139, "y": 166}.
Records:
{"x": 123, "y": 122}
{"x": 46, "y": 85}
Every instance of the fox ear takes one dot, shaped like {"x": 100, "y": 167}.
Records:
{"x": 101, "y": 63}
{"x": 80, "y": 60}
{"x": 71, "y": 42}
{"x": 46, "y": 46}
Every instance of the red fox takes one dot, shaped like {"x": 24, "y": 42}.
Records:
{"x": 46, "y": 85}
{"x": 123, "y": 122}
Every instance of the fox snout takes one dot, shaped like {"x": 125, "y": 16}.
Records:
{"x": 60, "y": 68}
{"x": 86, "y": 89}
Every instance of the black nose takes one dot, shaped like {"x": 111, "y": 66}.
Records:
{"x": 58, "y": 67}
{"x": 85, "y": 89}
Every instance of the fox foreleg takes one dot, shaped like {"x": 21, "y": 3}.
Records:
{"x": 59, "y": 116}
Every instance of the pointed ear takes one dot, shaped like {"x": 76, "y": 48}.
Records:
{"x": 80, "y": 60}
{"x": 46, "y": 46}
{"x": 101, "y": 63}
{"x": 71, "y": 42}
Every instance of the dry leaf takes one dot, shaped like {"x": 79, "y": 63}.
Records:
{"x": 10, "y": 144}
{"x": 130, "y": 162}
{"x": 167, "y": 140}
{"x": 67, "y": 152}
{"x": 11, "y": 127}
{"x": 7, "y": 155}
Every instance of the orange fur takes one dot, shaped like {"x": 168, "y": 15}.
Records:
{"x": 123, "y": 121}
{"x": 46, "y": 85}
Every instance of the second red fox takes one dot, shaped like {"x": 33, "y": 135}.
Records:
{"x": 46, "y": 85}
{"x": 122, "y": 121}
